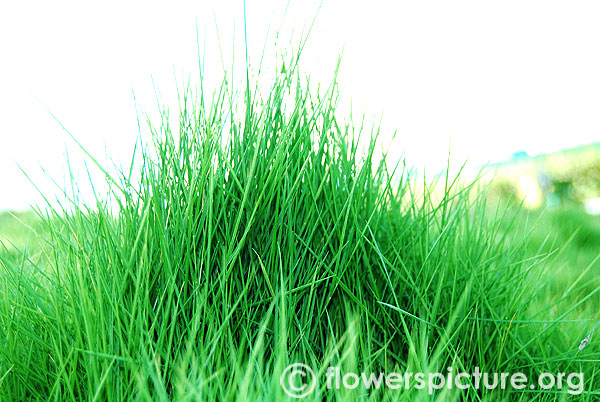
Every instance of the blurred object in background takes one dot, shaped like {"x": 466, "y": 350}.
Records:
{"x": 592, "y": 206}
{"x": 552, "y": 180}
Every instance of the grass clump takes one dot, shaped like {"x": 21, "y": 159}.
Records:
{"x": 259, "y": 234}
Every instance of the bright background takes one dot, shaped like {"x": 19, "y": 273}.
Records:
{"x": 486, "y": 78}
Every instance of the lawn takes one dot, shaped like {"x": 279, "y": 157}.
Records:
{"x": 262, "y": 232}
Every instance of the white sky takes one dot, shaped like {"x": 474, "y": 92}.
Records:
{"x": 494, "y": 77}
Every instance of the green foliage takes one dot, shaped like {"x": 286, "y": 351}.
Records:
{"x": 259, "y": 234}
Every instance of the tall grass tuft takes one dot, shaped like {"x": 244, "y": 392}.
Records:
{"x": 264, "y": 231}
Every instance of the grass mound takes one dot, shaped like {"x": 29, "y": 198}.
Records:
{"x": 259, "y": 235}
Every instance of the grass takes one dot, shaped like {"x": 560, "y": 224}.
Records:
{"x": 21, "y": 235}
{"x": 260, "y": 234}
{"x": 572, "y": 239}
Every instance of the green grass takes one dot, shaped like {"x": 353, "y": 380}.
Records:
{"x": 21, "y": 235}
{"x": 572, "y": 239}
{"x": 259, "y": 234}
